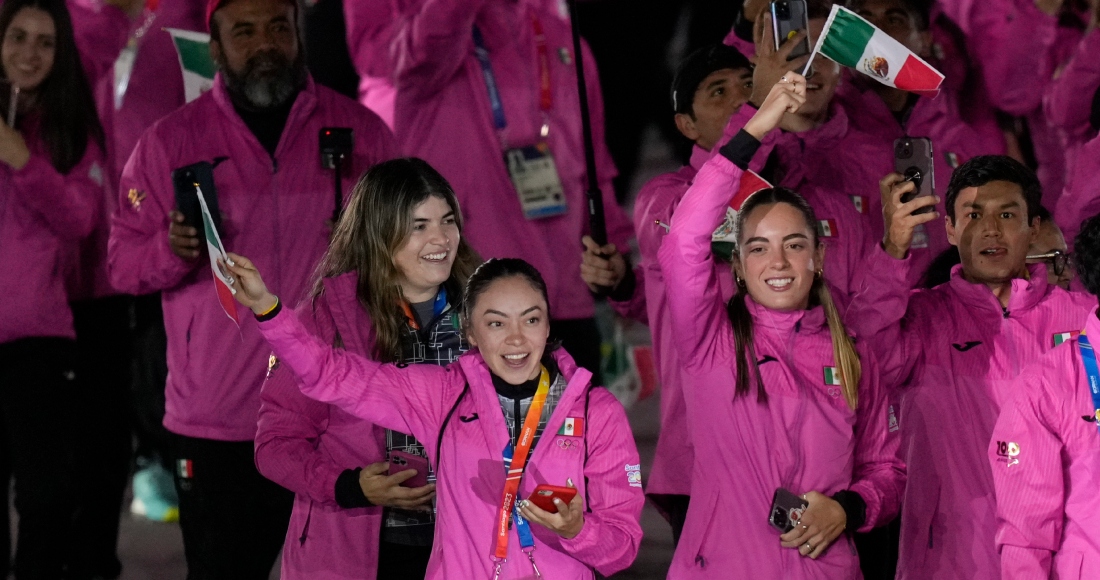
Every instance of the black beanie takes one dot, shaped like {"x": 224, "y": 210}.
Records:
{"x": 697, "y": 67}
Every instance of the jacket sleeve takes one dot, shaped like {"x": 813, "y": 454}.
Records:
{"x": 406, "y": 399}
{"x": 1068, "y": 98}
{"x": 1013, "y": 43}
{"x": 879, "y": 475}
{"x": 612, "y": 531}
{"x": 290, "y": 425}
{"x": 1081, "y": 197}
{"x": 67, "y": 203}
{"x": 139, "y": 257}
{"x": 877, "y": 315}
{"x": 694, "y": 302}
{"x": 1029, "y": 485}
{"x": 431, "y": 43}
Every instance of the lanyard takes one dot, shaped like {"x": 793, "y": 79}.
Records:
{"x": 546, "y": 94}
{"x": 516, "y": 464}
{"x": 438, "y": 307}
{"x": 1088, "y": 355}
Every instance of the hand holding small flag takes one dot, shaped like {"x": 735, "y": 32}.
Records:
{"x": 248, "y": 285}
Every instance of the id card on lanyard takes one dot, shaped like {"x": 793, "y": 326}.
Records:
{"x": 1088, "y": 355}
{"x": 531, "y": 168}
{"x": 515, "y": 463}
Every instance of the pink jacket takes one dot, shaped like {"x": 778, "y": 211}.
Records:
{"x": 417, "y": 400}
{"x": 1082, "y": 196}
{"x": 1068, "y": 100}
{"x": 954, "y": 355}
{"x": 744, "y": 450}
{"x": 304, "y": 445}
{"x": 953, "y": 143}
{"x": 443, "y": 116}
{"x": 371, "y": 28}
{"x": 272, "y": 211}
{"x": 42, "y": 213}
{"x": 1045, "y": 455}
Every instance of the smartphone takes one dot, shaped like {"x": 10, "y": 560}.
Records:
{"x": 913, "y": 159}
{"x": 786, "y": 509}
{"x": 544, "y": 495}
{"x": 401, "y": 461}
{"x": 187, "y": 200}
{"x": 336, "y": 143}
{"x": 789, "y": 17}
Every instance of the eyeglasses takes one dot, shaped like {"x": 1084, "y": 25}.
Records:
{"x": 1058, "y": 259}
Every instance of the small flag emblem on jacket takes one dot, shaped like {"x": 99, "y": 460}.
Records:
{"x": 826, "y": 228}
{"x": 573, "y": 427}
{"x": 186, "y": 470}
{"x": 860, "y": 203}
{"x": 832, "y": 376}
{"x": 1065, "y": 336}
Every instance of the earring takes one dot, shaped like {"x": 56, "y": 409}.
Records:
{"x": 817, "y": 275}
{"x": 740, "y": 282}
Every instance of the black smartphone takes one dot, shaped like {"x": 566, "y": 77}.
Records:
{"x": 336, "y": 143}
{"x": 789, "y": 17}
{"x": 786, "y": 509}
{"x": 184, "y": 181}
{"x": 913, "y": 159}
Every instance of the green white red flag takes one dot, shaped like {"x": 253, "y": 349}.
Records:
{"x": 750, "y": 184}
{"x": 854, "y": 42}
{"x": 217, "y": 252}
{"x": 198, "y": 70}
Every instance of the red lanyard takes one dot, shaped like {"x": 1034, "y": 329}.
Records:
{"x": 519, "y": 461}
{"x": 546, "y": 96}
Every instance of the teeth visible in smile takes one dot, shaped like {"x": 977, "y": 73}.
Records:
{"x": 436, "y": 257}
{"x": 777, "y": 282}
{"x": 515, "y": 356}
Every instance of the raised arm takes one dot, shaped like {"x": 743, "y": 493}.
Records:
{"x": 431, "y": 43}
{"x": 1068, "y": 97}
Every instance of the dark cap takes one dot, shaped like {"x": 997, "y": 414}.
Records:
{"x": 697, "y": 67}
{"x": 212, "y": 6}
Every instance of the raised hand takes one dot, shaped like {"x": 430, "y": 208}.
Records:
{"x": 786, "y": 96}
{"x": 899, "y": 216}
{"x": 249, "y": 286}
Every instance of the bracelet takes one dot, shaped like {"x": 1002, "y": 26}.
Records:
{"x": 270, "y": 312}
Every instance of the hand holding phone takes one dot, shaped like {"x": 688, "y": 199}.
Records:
{"x": 913, "y": 159}
{"x": 402, "y": 461}
{"x": 565, "y": 519}
{"x": 786, "y": 510}
{"x": 544, "y": 496}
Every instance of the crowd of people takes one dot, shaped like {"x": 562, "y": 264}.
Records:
{"x": 863, "y": 374}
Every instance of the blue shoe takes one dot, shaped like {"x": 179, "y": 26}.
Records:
{"x": 155, "y": 495}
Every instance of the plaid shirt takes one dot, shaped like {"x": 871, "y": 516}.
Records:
{"x": 440, "y": 343}
{"x": 509, "y": 407}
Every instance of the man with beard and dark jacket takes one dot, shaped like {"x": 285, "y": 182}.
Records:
{"x": 259, "y": 126}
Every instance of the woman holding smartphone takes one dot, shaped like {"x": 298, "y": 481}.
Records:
{"x": 388, "y": 289}
{"x": 513, "y": 415}
{"x": 51, "y": 182}
{"x": 781, "y": 404}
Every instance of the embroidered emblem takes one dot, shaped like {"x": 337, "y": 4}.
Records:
{"x": 136, "y": 197}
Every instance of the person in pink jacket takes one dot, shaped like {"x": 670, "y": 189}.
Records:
{"x": 1045, "y": 451}
{"x": 1082, "y": 195}
{"x": 955, "y": 352}
{"x": 52, "y": 174}
{"x": 386, "y": 251}
{"x": 515, "y": 397}
{"x": 777, "y": 395}
{"x": 487, "y": 94}
{"x": 275, "y": 200}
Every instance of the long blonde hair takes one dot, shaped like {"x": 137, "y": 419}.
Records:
{"x": 375, "y": 225}
{"x": 844, "y": 352}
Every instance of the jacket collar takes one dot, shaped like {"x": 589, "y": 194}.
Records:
{"x": 1025, "y": 293}
{"x": 699, "y": 156}
{"x": 783, "y": 322}
{"x": 304, "y": 104}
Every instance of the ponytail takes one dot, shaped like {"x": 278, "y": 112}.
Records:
{"x": 741, "y": 321}
{"x": 844, "y": 352}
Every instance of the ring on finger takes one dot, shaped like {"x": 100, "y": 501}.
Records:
{"x": 809, "y": 547}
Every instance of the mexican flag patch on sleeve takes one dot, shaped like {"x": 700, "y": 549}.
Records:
{"x": 573, "y": 427}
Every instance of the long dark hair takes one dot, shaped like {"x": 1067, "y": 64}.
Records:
{"x": 844, "y": 353}
{"x": 65, "y": 97}
{"x": 375, "y": 225}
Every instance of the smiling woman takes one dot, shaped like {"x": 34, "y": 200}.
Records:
{"x": 512, "y": 395}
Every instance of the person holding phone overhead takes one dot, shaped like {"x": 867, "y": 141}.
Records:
{"x": 503, "y": 422}
{"x": 52, "y": 178}
{"x": 388, "y": 289}
{"x": 952, "y": 355}
{"x": 780, "y": 400}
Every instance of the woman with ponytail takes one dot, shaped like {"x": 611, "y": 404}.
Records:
{"x": 778, "y": 396}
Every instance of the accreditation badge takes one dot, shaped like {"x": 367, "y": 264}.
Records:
{"x": 537, "y": 182}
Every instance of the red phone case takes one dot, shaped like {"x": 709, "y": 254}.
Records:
{"x": 401, "y": 461}
{"x": 544, "y": 495}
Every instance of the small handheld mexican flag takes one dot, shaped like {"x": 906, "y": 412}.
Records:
{"x": 750, "y": 184}
{"x": 853, "y": 42}
{"x": 217, "y": 252}
{"x": 193, "y": 49}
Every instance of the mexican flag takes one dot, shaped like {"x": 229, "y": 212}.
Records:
{"x": 217, "y": 252}
{"x": 750, "y": 184}
{"x": 572, "y": 427}
{"x": 1065, "y": 337}
{"x": 194, "y": 52}
{"x": 853, "y": 42}
{"x": 826, "y": 228}
{"x": 832, "y": 376}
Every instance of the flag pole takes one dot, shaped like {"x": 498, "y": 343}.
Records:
{"x": 821, "y": 39}
{"x": 597, "y": 226}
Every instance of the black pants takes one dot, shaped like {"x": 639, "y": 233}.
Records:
{"x": 677, "y": 508}
{"x": 105, "y": 443}
{"x": 38, "y": 394}
{"x": 580, "y": 337}
{"x": 233, "y": 519}
{"x": 150, "y": 371}
{"x": 878, "y": 551}
{"x": 400, "y": 562}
